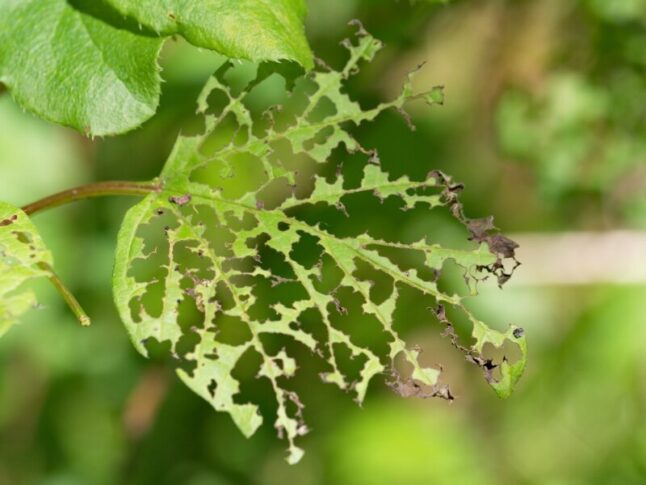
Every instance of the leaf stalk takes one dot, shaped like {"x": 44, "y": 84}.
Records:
{"x": 97, "y": 189}
{"x": 67, "y": 295}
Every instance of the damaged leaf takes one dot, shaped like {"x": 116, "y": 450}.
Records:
{"x": 191, "y": 260}
{"x": 23, "y": 257}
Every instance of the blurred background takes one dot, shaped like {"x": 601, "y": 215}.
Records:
{"x": 544, "y": 122}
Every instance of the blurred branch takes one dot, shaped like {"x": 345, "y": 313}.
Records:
{"x": 581, "y": 258}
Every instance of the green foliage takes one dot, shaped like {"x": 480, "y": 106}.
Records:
{"x": 71, "y": 68}
{"x": 77, "y": 406}
{"x": 23, "y": 257}
{"x": 191, "y": 258}
{"x": 578, "y": 135}
{"x": 582, "y": 127}
{"x": 620, "y": 10}
{"x": 252, "y": 29}
{"x": 85, "y": 65}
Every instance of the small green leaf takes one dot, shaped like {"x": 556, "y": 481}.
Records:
{"x": 435, "y": 96}
{"x": 70, "y": 68}
{"x": 257, "y": 30}
{"x": 22, "y": 258}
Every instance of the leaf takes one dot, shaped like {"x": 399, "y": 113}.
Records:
{"x": 82, "y": 64}
{"x": 435, "y": 96}
{"x": 71, "y": 68}
{"x": 257, "y": 30}
{"x": 192, "y": 260}
{"x": 23, "y": 257}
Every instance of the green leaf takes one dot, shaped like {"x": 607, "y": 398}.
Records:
{"x": 191, "y": 260}
{"x": 23, "y": 257}
{"x": 83, "y": 64}
{"x": 435, "y": 96}
{"x": 70, "y": 68}
{"x": 257, "y": 30}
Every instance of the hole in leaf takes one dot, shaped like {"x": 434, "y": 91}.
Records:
{"x": 323, "y": 109}
{"x": 231, "y": 330}
{"x": 307, "y": 251}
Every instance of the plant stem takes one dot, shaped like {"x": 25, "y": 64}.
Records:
{"x": 97, "y": 189}
{"x": 67, "y": 295}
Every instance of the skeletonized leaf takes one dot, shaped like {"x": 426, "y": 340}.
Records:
{"x": 199, "y": 263}
{"x": 23, "y": 257}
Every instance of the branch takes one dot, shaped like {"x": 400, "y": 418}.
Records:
{"x": 98, "y": 189}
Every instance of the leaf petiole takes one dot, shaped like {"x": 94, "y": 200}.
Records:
{"x": 97, "y": 189}
{"x": 67, "y": 295}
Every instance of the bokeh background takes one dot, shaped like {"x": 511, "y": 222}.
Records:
{"x": 544, "y": 122}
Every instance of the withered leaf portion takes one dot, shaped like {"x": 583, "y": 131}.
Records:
{"x": 190, "y": 259}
